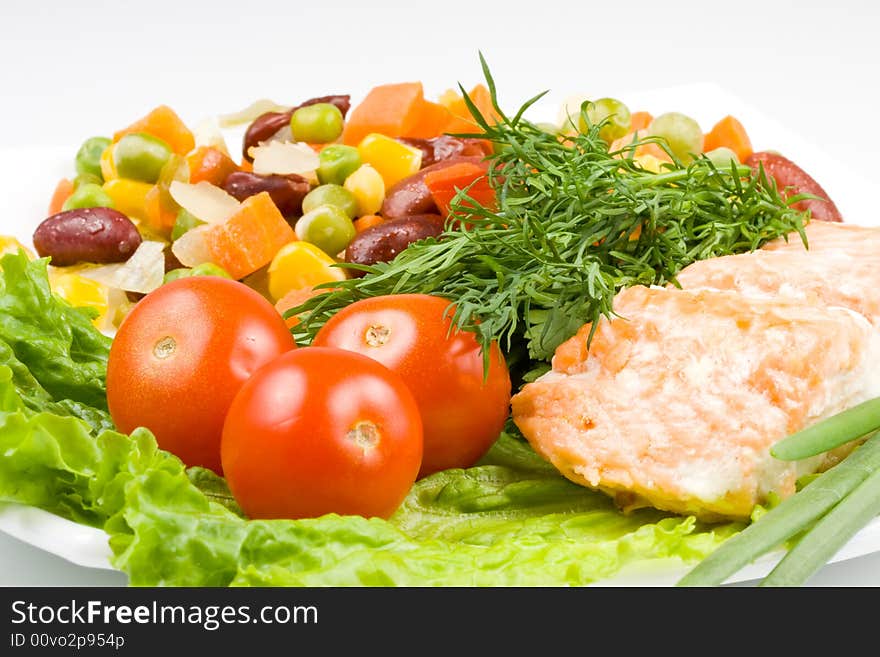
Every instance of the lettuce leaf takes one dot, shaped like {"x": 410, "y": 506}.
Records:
{"x": 58, "y": 358}
{"x": 510, "y": 520}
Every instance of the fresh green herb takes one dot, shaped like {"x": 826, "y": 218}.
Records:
{"x": 574, "y": 224}
{"x": 832, "y": 432}
{"x": 794, "y": 515}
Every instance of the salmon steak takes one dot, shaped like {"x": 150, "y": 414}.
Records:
{"x": 841, "y": 268}
{"x": 680, "y": 395}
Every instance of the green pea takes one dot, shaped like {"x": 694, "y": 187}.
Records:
{"x": 335, "y": 195}
{"x": 140, "y": 156}
{"x": 184, "y": 223}
{"x": 316, "y": 124}
{"x": 721, "y": 157}
{"x": 614, "y": 113}
{"x": 88, "y": 157}
{"x": 86, "y": 178}
{"x": 210, "y": 269}
{"x": 683, "y": 135}
{"x": 88, "y": 195}
{"x": 337, "y": 162}
{"x": 174, "y": 274}
{"x": 327, "y": 227}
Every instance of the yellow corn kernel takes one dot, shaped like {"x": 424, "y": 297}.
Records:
{"x": 79, "y": 291}
{"x": 392, "y": 159}
{"x": 9, "y": 244}
{"x": 368, "y": 188}
{"x": 129, "y": 196}
{"x": 300, "y": 265}
{"x": 108, "y": 167}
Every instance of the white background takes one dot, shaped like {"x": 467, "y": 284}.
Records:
{"x": 69, "y": 70}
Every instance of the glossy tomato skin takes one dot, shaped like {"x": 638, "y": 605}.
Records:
{"x": 318, "y": 431}
{"x": 410, "y": 333}
{"x": 180, "y": 356}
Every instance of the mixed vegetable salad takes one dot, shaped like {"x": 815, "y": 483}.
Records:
{"x": 293, "y": 365}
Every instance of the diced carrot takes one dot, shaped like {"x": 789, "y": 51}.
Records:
{"x": 729, "y": 132}
{"x": 250, "y": 238}
{"x": 209, "y": 164}
{"x": 430, "y": 121}
{"x": 462, "y": 119}
{"x": 295, "y": 298}
{"x": 444, "y": 184}
{"x": 640, "y": 120}
{"x": 163, "y": 123}
{"x": 367, "y": 221}
{"x": 389, "y": 109}
{"x": 62, "y": 192}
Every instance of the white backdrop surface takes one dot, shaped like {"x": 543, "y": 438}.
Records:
{"x": 69, "y": 70}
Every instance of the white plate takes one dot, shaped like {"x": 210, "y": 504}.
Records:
{"x": 28, "y": 178}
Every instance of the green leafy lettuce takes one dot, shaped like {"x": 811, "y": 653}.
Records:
{"x": 511, "y": 520}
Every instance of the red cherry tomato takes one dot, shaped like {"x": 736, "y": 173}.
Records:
{"x": 181, "y": 355}
{"x": 321, "y": 431}
{"x": 410, "y": 333}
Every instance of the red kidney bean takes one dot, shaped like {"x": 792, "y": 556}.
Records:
{"x": 263, "y": 129}
{"x": 791, "y": 179}
{"x": 411, "y": 196}
{"x": 444, "y": 147}
{"x": 100, "y": 235}
{"x": 267, "y": 125}
{"x": 287, "y": 192}
{"x": 383, "y": 242}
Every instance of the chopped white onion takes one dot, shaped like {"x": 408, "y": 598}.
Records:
{"x": 204, "y": 201}
{"x": 249, "y": 113}
{"x": 142, "y": 272}
{"x": 284, "y": 157}
{"x": 207, "y": 133}
{"x": 191, "y": 249}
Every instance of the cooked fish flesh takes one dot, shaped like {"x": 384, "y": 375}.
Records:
{"x": 842, "y": 268}
{"x": 680, "y": 396}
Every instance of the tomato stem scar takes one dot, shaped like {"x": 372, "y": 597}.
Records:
{"x": 364, "y": 434}
{"x": 165, "y": 347}
{"x": 378, "y": 335}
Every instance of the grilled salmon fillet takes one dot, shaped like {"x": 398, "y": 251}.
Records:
{"x": 842, "y": 268}
{"x": 680, "y": 396}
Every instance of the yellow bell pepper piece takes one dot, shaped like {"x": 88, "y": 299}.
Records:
{"x": 9, "y": 244}
{"x": 367, "y": 187}
{"x": 79, "y": 291}
{"x": 129, "y": 196}
{"x": 108, "y": 167}
{"x": 301, "y": 265}
{"x": 392, "y": 159}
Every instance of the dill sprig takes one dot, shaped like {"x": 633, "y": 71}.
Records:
{"x": 574, "y": 224}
